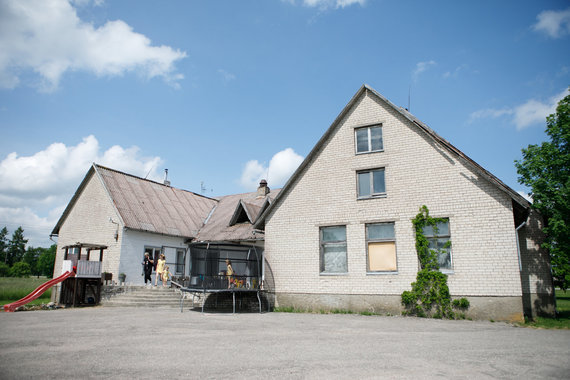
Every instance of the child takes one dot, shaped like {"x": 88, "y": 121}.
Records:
{"x": 229, "y": 272}
{"x": 165, "y": 275}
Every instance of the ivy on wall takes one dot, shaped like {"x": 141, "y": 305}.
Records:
{"x": 430, "y": 296}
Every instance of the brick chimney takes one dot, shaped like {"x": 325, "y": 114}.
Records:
{"x": 262, "y": 190}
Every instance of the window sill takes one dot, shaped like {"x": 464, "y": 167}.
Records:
{"x": 333, "y": 274}
{"x": 371, "y": 197}
{"x": 447, "y": 271}
{"x": 369, "y": 152}
{"x": 381, "y": 273}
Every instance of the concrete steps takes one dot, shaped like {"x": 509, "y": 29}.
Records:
{"x": 140, "y": 296}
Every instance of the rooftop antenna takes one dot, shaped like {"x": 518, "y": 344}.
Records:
{"x": 203, "y": 188}
{"x": 409, "y": 96}
{"x": 149, "y": 170}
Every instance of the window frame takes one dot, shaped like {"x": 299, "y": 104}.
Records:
{"x": 368, "y": 128}
{"x": 380, "y": 240}
{"x": 179, "y": 265}
{"x": 371, "y": 180}
{"x": 322, "y": 245}
{"x": 433, "y": 237}
{"x": 154, "y": 252}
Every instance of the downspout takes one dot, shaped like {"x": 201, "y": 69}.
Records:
{"x": 518, "y": 244}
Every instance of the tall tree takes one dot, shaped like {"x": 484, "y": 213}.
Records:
{"x": 545, "y": 169}
{"x": 46, "y": 261}
{"x": 17, "y": 246}
{"x": 31, "y": 257}
{"x": 4, "y": 245}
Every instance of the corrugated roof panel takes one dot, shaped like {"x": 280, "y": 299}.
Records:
{"x": 218, "y": 228}
{"x": 151, "y": 206}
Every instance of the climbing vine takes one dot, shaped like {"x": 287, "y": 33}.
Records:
{"x": 430, "y": 296}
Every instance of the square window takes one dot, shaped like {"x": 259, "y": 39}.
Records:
{"x": 369, "y": 139}
{"x": 333, "y": 250}
{"x": 371, "y": 183}
{"x": 439, "y": 239}
{"x": 381, "y": 247}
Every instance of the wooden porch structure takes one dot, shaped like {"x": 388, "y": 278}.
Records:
{"x": 85, "y": 287}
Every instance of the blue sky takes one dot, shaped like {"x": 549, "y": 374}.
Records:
{"x": 226, "y": 92}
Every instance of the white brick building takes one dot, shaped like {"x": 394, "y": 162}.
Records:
{"x": 371, "y": 171}
{"x": 339, "y": 234}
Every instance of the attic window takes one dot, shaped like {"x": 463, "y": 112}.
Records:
{"x": 242, "y": 217}
{"x": 369, "y": 139}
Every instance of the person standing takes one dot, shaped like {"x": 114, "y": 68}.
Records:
{"x": 148, "y": 263}
{"x": 160, "y": 269}
{"x": 229, "y": 272}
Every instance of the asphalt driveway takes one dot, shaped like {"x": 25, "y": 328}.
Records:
{"x": 127, "y": 343}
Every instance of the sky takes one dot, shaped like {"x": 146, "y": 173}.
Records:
{"x": 224, "y": 93}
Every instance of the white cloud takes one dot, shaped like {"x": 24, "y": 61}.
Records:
{"x": 35, "y": 189}
{"x": 226, "y": 75}
{"x": 48, "y": 38}
{"x": 36, "y": 229}
{"x": 532, "y": 112}
{"x": 280, "y": 168}
{"x": 421, "y": 67}
{"x": 455, "y": 73}
{"x": 327, "y": 4}
{"x": 554, "y": 23}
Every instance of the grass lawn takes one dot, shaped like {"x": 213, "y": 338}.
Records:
{"x": 13, "y": 288}
{"x": 563, "y": 320}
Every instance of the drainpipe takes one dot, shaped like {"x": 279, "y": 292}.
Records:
{"x": 518, "y": 244}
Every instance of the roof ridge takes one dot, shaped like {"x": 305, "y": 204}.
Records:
{"x": 150, "y": 180}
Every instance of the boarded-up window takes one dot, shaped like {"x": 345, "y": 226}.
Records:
{"x": 381, "y": 247}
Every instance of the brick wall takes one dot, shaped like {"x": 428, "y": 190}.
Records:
{"x": 88, "y": 222}
{"x": 418, "y": 171}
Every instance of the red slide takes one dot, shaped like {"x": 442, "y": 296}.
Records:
{"x": 38, "y": 292}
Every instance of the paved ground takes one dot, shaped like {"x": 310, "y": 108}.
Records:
{"x": 132, "y": 343}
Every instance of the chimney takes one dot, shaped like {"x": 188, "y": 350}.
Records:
{"x": 262, "y": 190}
{"x": 166, "y": 181}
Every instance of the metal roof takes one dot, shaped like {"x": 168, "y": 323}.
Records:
{"x": 219, "y": 226}
{"x": 146, "y": 205}
{"x": 151, "y": 206}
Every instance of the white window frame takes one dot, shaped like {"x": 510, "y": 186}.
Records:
{"x": 431, "y": 238}
{"x": 371, "y": 180}
{"x": 368, "y": 129}
{"x": 383, "y": 240}
{"x": 323, "y": 244}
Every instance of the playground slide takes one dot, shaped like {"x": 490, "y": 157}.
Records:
{"x": 38, "y": 292}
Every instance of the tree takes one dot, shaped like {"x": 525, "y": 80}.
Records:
{"x": 20, "y": 269}
{"x": 4, "y": 245}
{"x": 31, "y": 257}
{"x": 47, "y": 261}
{"x": 545, "y": 169}
{"x": 17, "y": 246}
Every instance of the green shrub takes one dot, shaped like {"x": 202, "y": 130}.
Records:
{"x": 430, "y": 294}
{"x": 20, "y": 269}
{"x": 461, "y": 303}
{"x": 4, "y": 269}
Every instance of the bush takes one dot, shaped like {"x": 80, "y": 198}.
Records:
{"x": 4, "y": 269}
{"x": 461, "y": 303}
{"x": 20, "y": 269}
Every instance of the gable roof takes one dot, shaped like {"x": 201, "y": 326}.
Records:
{"x": 146, "y": 205}
{"x": 365, "y": 89}
{"x": 225, "y": 223}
